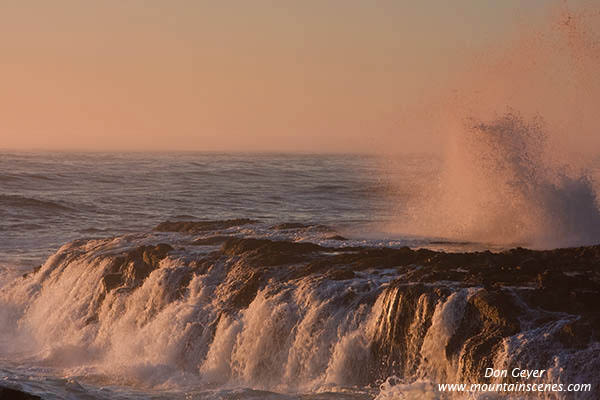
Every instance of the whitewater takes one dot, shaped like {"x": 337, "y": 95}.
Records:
{"x": 222, "y": 276}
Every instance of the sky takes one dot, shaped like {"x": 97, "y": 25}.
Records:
{"x": 310, "y": 76}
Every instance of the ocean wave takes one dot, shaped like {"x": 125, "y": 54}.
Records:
{"x": 23, "y": 177}
{"x": 500, "y": 185}
{"x": 21, "y": 226}
{"x": 8, "y": 178}
{"x": 17, "y": 201}
{"x": 286, "y": 316}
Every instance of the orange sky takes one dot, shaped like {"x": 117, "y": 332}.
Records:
{"x": 318, "y": 76}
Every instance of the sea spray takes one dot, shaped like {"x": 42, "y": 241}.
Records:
{"x": 517, "y": 128}
{"x": 499, "y": 186}
{"x": 158, "y": 311}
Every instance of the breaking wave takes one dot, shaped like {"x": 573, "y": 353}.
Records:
{"x": 206, "y": 305}
{"x": 517, "y": 127}
{"x": 500, "y": 185}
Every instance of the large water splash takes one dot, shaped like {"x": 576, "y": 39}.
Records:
{"x": 500, "y": 185}
{"x": 514, "y": 129}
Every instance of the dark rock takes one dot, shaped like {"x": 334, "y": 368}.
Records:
{"x": 7, "y": 393}
{"x": 35, "y": 270}
{"x": 360, "y": 259}
{"x": 111, "y": 281}
{"x": 575, "y": 334}
{"x": 296, "y": 225}
{"x": 246, "y": 292}
{"x": 201, "y": 226}
{"x": 288, "y": 225}
{"x": 397, "y": 341}
{"x": 336, "y": 237}
{"x": 268, "y": 252}
{"x": 210, "y": 241}
{"x": 134, "y": 266}
{"x": 341, "y": 274}
{"x": 489, "y": 317}
{"x": 554, "y": 280}
{"x": 557, "y": 291}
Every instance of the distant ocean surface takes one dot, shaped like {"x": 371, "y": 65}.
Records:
{"x": 47, "y": 199}
{"x": 279, "y": 276}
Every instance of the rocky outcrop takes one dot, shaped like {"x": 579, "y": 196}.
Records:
{"x": 211, "y": 240}
{"x": 7, "y": 393}
{"x": 393, "y": 299}
{"x": 268, "y": 252}
{"x": 131, "y": 268}
{"x": 127, "y": 271}
{"x": 397, "y": 341}
{"x": 201, "y": 226}
{"x": 489, "y": 317}
{"x": 296, "y": 225}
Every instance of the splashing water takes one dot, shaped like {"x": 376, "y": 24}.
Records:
{"x": 313, "y": 323}
{"x": 500, "y": 186}
{"x": 501, "y": 181}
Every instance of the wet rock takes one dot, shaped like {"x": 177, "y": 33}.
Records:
{"x": 268, "y": 252}
{"x": 507, "y": 288}
{"x": 497, "y": 310}
{"x": 211, "y": 240}
{"x": 134, "y": 266}
{"x": 127, "y": 272}
{"x": 489, "y": 317}
{"x": 35, "y": 270}
{"x": 111, "y": 281}
{"x": 202, "y": 265}
{"x": 360, "y": 259}
{"x": 398, "y": 340}
{"x": 295, "y": 225}
{"x": 557, "y": 291}
{"x": 336, "y": 237}
{"x": 335, "y": 273}
{"x": 288, "y": 225}
{"x": 7, "y": 393}
{"x": 576, "y": 334}
{"x": 246, "y": 291}
{"x": 201, "y": 226}
{"x": 554, "y": 280}
{"x": 341, "y": 274}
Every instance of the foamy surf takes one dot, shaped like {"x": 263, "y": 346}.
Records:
{"x": 238, "y": 308}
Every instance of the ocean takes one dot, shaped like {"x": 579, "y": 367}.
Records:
{"x": 283, "y": 276}
{"x": 50, "y": 198}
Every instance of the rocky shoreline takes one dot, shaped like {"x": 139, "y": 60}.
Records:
{"x": 515, "y": 288}
{"x": 414, "y": 313}
{"x": 7, "y": 393}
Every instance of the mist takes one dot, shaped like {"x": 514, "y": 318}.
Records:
{"x": 520, "y": 143}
